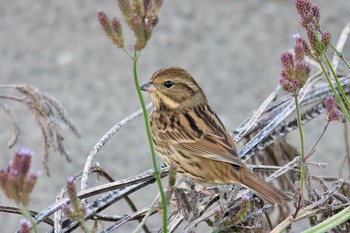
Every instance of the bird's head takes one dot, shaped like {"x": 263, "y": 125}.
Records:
{"x": 173, "y": 87}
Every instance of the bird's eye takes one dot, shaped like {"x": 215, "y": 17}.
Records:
{"x": 168, "y": 84}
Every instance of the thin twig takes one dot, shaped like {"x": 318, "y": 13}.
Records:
{"x": 145, "y": 218}
{"x": 257, "y": 114}
{"x": 15, "y": 210}
{"x": 90, "y": 159}
{"x": 14, "y": 124}
{"x": 339, "y": 48}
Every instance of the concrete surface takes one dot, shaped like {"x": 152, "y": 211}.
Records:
{"x": 231, "y": 47}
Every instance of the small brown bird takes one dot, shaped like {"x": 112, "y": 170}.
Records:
{"x": 187, "y": 131}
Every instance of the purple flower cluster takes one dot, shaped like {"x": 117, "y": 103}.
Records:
{"x": 295, "y": 71}
{"x": 309, "y": 13}
{"x": 16, "y": 180}
{"x": 310, "y": 20}
{"x": 141, "y": 17}
{"x": 332, "y": 112}
{"x": 25, "y": 226}
{"x": 77, "y": 211}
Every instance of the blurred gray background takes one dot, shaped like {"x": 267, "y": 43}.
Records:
{"x": 232, "y": 48}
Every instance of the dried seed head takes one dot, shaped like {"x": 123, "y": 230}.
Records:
{"x": 139, "y": 31}
{"x": 15, "y": 181}
{"x": 77, "y": 211}
{"x": 302, "y": 72}
{"x": 303, "y": 7}
{"x": 137, "y": 8}
{"x": 28, "y": 186}
{"x": 25, "y": 225}
{"x": 326, "y": 39}
{"x": 299, "y": 51}
{"x": 68, "y": 212}
{"x": 117, "y": 27}
{"x": 310, "y": 20}
{"x": 309, "y": 14}
{"x": 295, "y": 71}
{"x": 287, "y": 62}
{"x": 141, "y": 16}
{"x": 104, "y": 21}
{"x": 157, "y": 4}
{"x": 217, "y": 214}
{"x": 143, "y": 21}
{"x": 21, "y": 162}
{"x": 147, "y": 4}
{"x": 125, "y": 8}
{"x": 332, "y": 111}
{"x": 305, "y": 46}
{"x": 315, "y": 11}
{"x": 113, "y": 29}
{"x": 72, "y": 193}
{"x": 313, "y": 42}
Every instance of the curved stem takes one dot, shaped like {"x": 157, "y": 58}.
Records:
{"x": 340, "y": 88}
{"x": 147, "y": 215}
{"x": 331, "y": 222}
{"x": 12, "y": 98}
{"x": 84, "y": 225}
{"x": 340, "y": 55}
{"x": 149, "y": 135}
{"x": 338, "y": 99}
{"x": 302, "y": 146}
{"x": 335, "y": 92}
{"x": 126, "y": 50}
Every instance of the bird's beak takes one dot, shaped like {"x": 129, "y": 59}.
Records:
{"x": 149, "y": 87}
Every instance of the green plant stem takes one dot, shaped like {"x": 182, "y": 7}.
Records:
{"x": 83, "y": 225}
{"x": 145, "y": 218}
{"x": 340, "y": 88}
{"x": 25, "y": 212}
{"x": 338, "y": 99}
{"x": 149, "y": 135}
{"x": 302, "y": 146}
{"x": 340, "y": 55}
{"x": 127, "y": 52}
{"x": 336, "y": 95}
{"x": 331, "y": 222}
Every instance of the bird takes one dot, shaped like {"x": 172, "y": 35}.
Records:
{"x": 186, "y": 131}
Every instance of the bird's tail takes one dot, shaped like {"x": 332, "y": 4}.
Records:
{"x": 263, "y": 189}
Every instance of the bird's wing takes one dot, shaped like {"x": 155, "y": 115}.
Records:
{"x": 213, "y": 146}
{"x": 210, "y": 141}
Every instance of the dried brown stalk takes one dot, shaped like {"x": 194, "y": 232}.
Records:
{"x": 46, "y": 111}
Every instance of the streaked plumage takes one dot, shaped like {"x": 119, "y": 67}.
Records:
{"x": 187, "y": 131}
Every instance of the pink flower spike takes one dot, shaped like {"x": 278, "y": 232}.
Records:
{"x": 287, "y": 62}
{"x": 25, "y": 225}
{"x": 315, "y": 10}
{"x": 15, "y": 181}
{"x": 332, "y": 112}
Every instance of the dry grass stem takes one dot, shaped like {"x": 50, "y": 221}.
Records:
{"x": 14, "y": 124}
{"x": 45, "y": 110}
{"x": 91, "y": 158}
